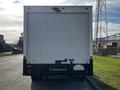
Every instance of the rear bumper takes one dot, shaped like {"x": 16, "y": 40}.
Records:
{"x": 39, "y": 70}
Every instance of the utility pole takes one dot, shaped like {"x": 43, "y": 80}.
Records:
{"x": 101, "y": 28}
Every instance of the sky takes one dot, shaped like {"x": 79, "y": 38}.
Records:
{"x": 11, "y": 15}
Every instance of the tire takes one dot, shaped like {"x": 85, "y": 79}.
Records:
{"x": 34, "y": 79}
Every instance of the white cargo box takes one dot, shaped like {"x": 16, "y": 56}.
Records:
{"x": 57, "y": 32}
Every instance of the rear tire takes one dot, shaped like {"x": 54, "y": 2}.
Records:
{"x": 34, "y": 79}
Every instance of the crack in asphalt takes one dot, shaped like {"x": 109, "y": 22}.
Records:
{"x": 13, "y": 81}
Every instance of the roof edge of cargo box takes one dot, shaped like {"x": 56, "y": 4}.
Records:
{"x": 56, "y": 6}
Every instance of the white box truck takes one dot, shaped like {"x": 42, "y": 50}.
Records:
{"x": 57, "y": 41}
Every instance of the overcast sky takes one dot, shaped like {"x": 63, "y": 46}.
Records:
{"x": 11, "y": 14}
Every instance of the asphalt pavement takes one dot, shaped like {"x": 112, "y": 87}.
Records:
{"x": 11, "y": 78}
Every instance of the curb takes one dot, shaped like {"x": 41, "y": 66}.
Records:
{"x": 5, "y": 54}
{"x": 93, "y": 85}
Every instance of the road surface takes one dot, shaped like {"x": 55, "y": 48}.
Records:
{"x": 11, "y": 78}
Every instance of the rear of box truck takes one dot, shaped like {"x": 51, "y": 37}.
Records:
{"x": 57, "y": 41}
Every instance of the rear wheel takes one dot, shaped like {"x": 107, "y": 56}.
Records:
{"x": 34, "y": 78}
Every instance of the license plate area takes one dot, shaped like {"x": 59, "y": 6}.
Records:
{"x": 56, "y": 69}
